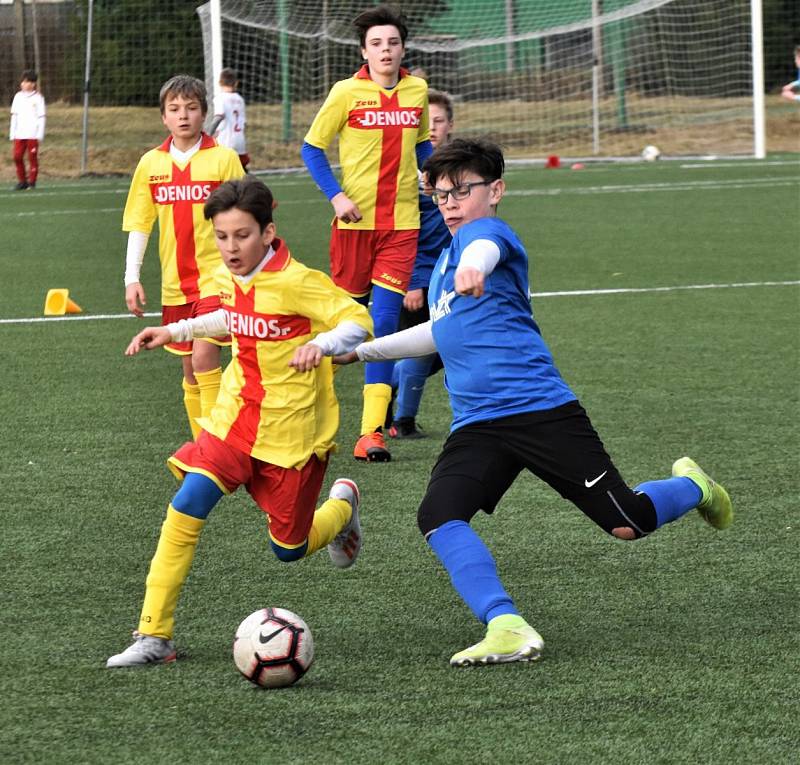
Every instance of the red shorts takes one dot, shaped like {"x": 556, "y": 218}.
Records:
{"x": 245, "y": 160}
{"x": 288, "y": 496}
{"x": 362, "y": 258}
{"x": 170, "y": 313}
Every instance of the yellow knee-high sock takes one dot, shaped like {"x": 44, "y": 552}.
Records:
{"x": 191, "y": 400}
{"x": 168, "y": 570}
{"x": 376, "y": 402}
{"x": 329, "y": 519}
{"x": 208, "y": 382}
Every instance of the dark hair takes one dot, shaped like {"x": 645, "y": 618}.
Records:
{"x": 464, "y": 155}
{"x": 442, "y": 99}
{"x": 248, "y": 195}
{"x": 29, "y": 75}
{"x": 228, "y": 78}
{"x": 382, "y": 15}
{"x": 184, "y": 85}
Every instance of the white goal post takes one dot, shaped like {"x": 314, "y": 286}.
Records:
{"x": 574, "y": 78}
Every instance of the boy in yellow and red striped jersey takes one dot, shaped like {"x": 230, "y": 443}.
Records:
{"x": 272, "y": 429}
{"x": 171, "y": 184}
{"x": 381, "y": 118}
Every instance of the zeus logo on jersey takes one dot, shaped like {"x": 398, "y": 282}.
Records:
{"x": 381, "y": 118}
{"x": 441, "y": 307}
{"x": 264, "y": 326}
{"x": 164, "y": 194}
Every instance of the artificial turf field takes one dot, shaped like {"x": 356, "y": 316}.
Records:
{"x": 682, "y": 647}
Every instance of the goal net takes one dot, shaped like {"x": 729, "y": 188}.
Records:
{"x": 575, "y": 78}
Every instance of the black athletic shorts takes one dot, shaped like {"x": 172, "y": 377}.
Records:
{"x": 410, "y": 319}
{"x": 480, "y": 461}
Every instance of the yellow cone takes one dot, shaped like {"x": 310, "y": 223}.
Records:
{"x": 57, "y": 303}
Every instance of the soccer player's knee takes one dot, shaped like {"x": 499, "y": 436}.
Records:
{"x": 625, "y": 532}
{"x": 197, "y": 496}
{"x": 288, "y": 554}
{"x": 439, "y": 506}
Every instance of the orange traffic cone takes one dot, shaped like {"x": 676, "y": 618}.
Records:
{"x": 57, "y": 303}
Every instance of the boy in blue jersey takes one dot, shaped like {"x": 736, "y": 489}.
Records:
{"x": 409, "y": 375}
{"x": 511, "y": 408}
{"x": 791, "y": 91}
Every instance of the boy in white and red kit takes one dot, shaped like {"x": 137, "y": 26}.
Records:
{"x": 27, "y": 129}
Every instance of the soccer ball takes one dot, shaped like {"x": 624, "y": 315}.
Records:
{"x": 651, "y": 153}
{"x": 273, "y": 647}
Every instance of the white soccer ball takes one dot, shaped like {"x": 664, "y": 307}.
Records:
{"x": 651, "y": 153}
{"x": 273, "y": 647}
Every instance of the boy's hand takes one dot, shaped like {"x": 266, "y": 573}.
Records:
{"x": 152, "y": 337}
{"x": 469, "y": 281}
{"x": 135, "y": 299}
{"x": 346, "y": 210}
{"x": 413, "y": 300}
{"x": 345, "y": 358}
{"x": 306, "y": 357}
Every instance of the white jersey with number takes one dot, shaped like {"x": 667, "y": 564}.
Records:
{"x": 231, "y": 129}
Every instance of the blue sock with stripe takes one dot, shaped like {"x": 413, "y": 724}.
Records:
{"x": 472, "y": 570}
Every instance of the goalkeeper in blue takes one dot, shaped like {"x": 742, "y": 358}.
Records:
{"x": 512, "y": 410}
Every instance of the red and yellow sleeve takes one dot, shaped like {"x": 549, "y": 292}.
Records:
{"x": 330, "y": 119}
{"x": 231, "y": 169}
{"x": 140, "y": 210}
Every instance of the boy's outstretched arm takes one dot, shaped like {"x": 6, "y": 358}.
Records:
{"x": 208, "y": 325}
{"x": 341, "y": 339}
{"x": 412, "y": 342}
{"x": 148, "y": 339}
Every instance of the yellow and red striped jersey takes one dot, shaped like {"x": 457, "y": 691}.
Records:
{"x": 266, "y": 408}
{"x": 378, "y": 132}
{"x": 175, "y": 195}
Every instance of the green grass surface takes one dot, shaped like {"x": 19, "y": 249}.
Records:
{"x": 682, "y": 647}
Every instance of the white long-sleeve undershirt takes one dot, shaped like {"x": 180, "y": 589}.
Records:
{"x": 480, "y": 254}
{"x": 411, "y": 342}
{"x": 341, "y": 339}
{"x": 134, "y": 257}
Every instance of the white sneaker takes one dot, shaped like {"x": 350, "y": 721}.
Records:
{"x": 347, "y": 544}
{"x": 145, "y": 649}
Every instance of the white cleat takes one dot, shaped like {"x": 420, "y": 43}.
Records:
{"x": 346, "y": 545}
{"x": 145, "y": 649}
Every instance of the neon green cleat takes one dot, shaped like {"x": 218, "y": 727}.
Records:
{"x": 715, "y": 505}
{"x": 508, "y": 638}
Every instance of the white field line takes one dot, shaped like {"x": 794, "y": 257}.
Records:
{"x": 34, "y": 213}
{"x": 754, "y": 163}
{"x": 641, "y": 188}
{"x": 564, "y": 293}
{"x": 606, "y": 189}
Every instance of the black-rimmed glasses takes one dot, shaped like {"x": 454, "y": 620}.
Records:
{"x": 462, "y": 191}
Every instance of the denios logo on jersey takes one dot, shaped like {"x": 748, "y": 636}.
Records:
{"x": 388, "y": 114}
{"x": 264, "y": 326}
{"x": 189, "y": 191}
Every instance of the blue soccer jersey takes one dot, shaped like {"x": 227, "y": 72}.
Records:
{"x": 434, "y": 236}
{"x": 496, "y": 362}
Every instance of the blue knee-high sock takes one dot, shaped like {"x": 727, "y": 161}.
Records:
{"x": 411, "y": 384}
{"x": 197, "y": 496}
{"x": 672, "y": 497}
{"x": 472, "y": 570}
{"x": 386, "y": 306}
